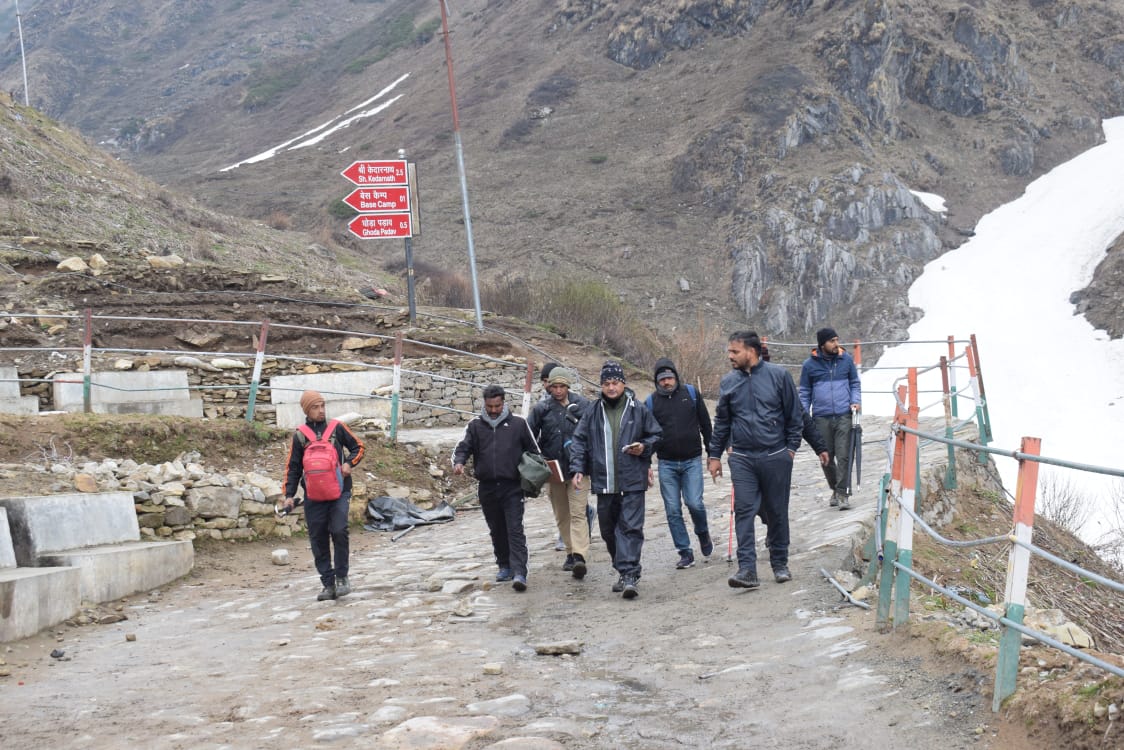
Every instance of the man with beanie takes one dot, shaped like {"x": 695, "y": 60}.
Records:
{"x": 544, "y": 378}
{"x": 552, "y": 423}
{"x": 759, "y": 418}
{"x": 831, "y": 391}
{"x": 683, "y": 417}
{"x": 326, "y": 519}
{"x": 613, "y": 446}
{"x": 495, "y": 441}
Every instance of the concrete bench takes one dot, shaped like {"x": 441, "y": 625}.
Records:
{"x": 343, "y": 392}
{"x": 153, "y": 392}
{"x": 98, "y": 534}
{"x": 32, "y": 598}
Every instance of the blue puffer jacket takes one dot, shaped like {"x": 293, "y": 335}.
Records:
{"x": 609, "y": 470}
{"x": 829, "y": 384}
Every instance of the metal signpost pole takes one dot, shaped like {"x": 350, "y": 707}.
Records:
{"x": 409, "y": 259}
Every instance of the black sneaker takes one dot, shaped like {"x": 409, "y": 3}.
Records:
{"x": 706, "y": 546}
{"x": 744, "y": 579}
{"x": 782, "y": 575}
{"x": 503, "y": 575}
{"x": 579, "y": 568}
{"x": 630, "y": 591}
{"x": 686, "y": 560}
{"x": 343, "y": 588}
{"x": 329, "y": 592}
{"x": 618, "y": 587}
{"x": 834, "y": 500}
{"x": 520, "y": 583}
{"x": 569, "y": 564}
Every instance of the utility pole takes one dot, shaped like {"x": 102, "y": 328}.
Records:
{"x": 460, "y": 167}
{"x": 23, "y": 57}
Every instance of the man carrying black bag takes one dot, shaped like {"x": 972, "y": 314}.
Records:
{"x": 496, "y": 441}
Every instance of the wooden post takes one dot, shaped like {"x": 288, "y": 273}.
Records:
{"x": 528, "y": 379}
{"x": 255, "y": 379}
{"x": 909, "y": 495}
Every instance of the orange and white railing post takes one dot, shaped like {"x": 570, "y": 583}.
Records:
{"x": 396, "y": 388}
{"x": 1018, "y": 572}
{"x": 255, "y": 379}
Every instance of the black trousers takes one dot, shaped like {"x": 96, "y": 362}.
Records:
{"x": 620, "y": 518}
{"x": 327, "y": 529}
{"x": 761, "y": 484}
{"x": 502, "y": 504}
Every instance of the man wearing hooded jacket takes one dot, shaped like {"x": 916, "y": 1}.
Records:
{"x": 683, "y": 418}
{"x": 613, "y": 445}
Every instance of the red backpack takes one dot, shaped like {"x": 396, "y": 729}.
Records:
{"x": 323, "y": 479}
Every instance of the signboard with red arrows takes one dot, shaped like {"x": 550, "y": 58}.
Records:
{"x": 381, "y": 226}
{"x": 368, "y": 199}
{"x": 387, "y": 172}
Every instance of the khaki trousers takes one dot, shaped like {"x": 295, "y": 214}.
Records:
{"x": 569, "y": 514}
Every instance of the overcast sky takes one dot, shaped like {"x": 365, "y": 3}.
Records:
{"x": 1048, "y": 372}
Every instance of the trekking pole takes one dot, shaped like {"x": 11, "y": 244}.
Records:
{"x": 730, "y": 540}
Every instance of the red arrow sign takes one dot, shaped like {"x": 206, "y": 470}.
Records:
{"x": 368, "y": 199}
{"x": 377, "y": 172}
{"x": 381, "y": 226}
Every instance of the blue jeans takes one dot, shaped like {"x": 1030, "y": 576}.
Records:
{"x": 683, "y": 478}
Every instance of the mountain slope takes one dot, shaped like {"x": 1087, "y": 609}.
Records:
{"x": 761, "y": 152}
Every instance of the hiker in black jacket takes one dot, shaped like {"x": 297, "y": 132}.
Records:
{"x": 613, "y": 445}
{"x": 326, "y": 520}
{"x": 495, "y": 441}
{"x": 683, "y": 418}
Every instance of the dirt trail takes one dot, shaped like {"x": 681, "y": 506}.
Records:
{"x": 240, "y": 654}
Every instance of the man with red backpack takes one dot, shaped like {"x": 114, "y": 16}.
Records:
{"x": 316, "y": 463}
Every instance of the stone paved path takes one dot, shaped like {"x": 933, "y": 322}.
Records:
{"x": 426, "y": 653}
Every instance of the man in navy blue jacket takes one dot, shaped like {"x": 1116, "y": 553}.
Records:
{"x": 613, "y": 445}
{"x": 831, "y": 391}
{"x": 759, "y": 418}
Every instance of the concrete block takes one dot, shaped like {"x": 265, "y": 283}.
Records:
{"x": 11, "y": 402}
{"x": 35, "y": 598}
{"x": 154, "y": 392}
{"x": 52, "y": 523}
{"x": 7, "y": 551}
{"x": 112, "y": 571}
{"x": 343, "y": 392}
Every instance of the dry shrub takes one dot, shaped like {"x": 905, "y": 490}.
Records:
{"x": 699, "y": 354}
{"x": 1062, "y": 502}
{"x": 280, "y": 220}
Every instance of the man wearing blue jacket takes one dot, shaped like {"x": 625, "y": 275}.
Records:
{"x": 613, "y": 445}
{"x": 759, "y": 418}
{"x": 831, "y": 391}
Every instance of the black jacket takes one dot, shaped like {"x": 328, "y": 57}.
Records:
{"x": 495, "y": 451}
{"x": 341, "y": 438}
{"x": 590, "y": 455}
{"x": 553, "y": 426}
{"x": 682, "y": 418}
{"x": 758, "y": 412}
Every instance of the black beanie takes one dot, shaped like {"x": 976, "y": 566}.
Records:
{"x": 546, "y": 370}
{"x": 612, "y": 371}
{"x": 825, "y": 335}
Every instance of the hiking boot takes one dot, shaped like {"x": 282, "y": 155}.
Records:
{"x": 686, "y": 560}
{"x": 618, "y": 587}
{"x": 520, "y": 583}
{"x": 844, "y": 502}
{"x": 329, "y": 592}
{"x": 629, "y": 590}
{"x": 782, "y": 575}
{"x": 569, "y": 564}
{"x": 834, "y": 500}
{"x": 744, "y": 579}
{"x": 706, "y": 546}
{"x": 579, "y": 568}
{"x": 503, "y": 575}
{"x": 343, "y": 587}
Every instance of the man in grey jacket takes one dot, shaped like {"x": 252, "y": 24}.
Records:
{"x": 760, "y": 419}
{"x": 613, "y": 445}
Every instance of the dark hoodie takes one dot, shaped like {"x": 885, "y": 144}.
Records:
{"x": 682, "y": 418}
